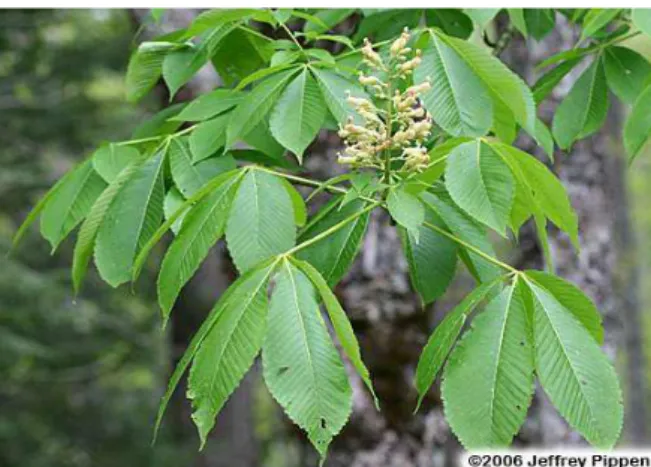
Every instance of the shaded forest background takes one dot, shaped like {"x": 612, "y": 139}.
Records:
{"x": 81, "y": 378}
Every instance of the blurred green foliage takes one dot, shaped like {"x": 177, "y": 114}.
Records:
{"x": 80, "y": 377}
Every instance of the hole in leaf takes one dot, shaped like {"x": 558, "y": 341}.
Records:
{"x": 282, "y": 370}
{"x": 519, "y": 407}
{"x": 522, "y": 343}
{"x": 323, "y": 423}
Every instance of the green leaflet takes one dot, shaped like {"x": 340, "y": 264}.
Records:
{"x": 261, "y": 222}
{"x": 334, "y": 89}
{"x": 298, "y": 203}
{"x": 547, "y": 82}
{"x": 299, "y": 114}
{"x": 465, "y": 228}
{"x": 442, "y": 340}
{"x": 340, "y": 323}
{"x": 626, "y": 72}
{"x": 260, "y": 138}
{"x": 406, "y": 209}
{"x": 504, "y": 85}
{"x": 301, "y": 366}
{"x": 539, "y": 21}
{"x": 256, "y": 105}
{"x": 160, "y": 124}
{"x": 228, "y": 350}
{"x": 584, "y": 109}
{"x": 241, "y": 53}
{"x": 547, "y": 192}
{"x": 94, "y": 219}
{"x": 575, "y": 374}
{"x": 482, "y": 16}
{"x": 334, "y": 256}
{"x": 209, "y": 105}
{"x": 572, "y": 299}
{"x": 71, "y": 200}
{"x": 190, "y": 177}
{"x": 208, "y": 137}
{"x": 642, "y": 19}
{"x": 144, "y": 68}
{"x": 181, "y": 65}
{"x": 110, "y": 159}
{"x": 202, "y": 226}
{"x": 637, "y": 129}
{"x": 173, "y": 201}
{"x": 242, "y": 297}
{"x": 488, "y": 380}
{"x": 596, "y": 19}
{"x": 432, "y": 260}
{"x": 458, "y": 100}
{"x": 216, "y": 18}
{"x": 480, "y": 183}
{"x": 452, "y": 21}
{"x": 131, "y": 219}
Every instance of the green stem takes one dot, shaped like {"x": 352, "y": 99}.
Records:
{"x": 291, "y": 35}
{"x": 334, "y": 228}
{"x": 468, "y": 246}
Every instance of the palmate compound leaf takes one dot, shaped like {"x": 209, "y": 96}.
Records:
{"x": 299, "y": 114}
{"x": 584, "y": 109}
{"x": 465, "y": 228}
{"x": 488, "y": 380}
{"x": 94, "y": 219}
{"x": 202, "y": 226}
{"x": 302, "y": 368}
{"x": 246, "y": 297}
{"x": 131, "y": 219}
{"x": 458, "y": 100}
{"x": 261, "y": 221}
{"x": 257, "y": 104}
{"x": 442, "y": 340}
{"x": 480, "y": 182}
{"x": 432, "y": 260}
{"x": 71, "y": 200}
{"x": 574, "y": 372}
{"x": 333, "y": 256}
{"x": 340, "y": 323}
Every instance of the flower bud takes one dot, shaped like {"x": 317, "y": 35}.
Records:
{"x": 400, "y": 43}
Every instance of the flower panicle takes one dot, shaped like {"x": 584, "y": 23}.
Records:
{"x": 398, "y": 132}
